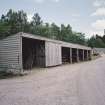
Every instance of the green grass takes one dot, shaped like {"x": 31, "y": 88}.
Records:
{"x": 4, "y": 75}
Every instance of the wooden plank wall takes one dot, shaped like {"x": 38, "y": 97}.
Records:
{"x": 10, "y": 52}
{"x": 52, "y": 54}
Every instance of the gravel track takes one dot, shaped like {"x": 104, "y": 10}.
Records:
{"x": 77, "y": 84}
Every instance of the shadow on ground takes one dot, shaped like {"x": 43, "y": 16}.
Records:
{"x": 5, "y": 75}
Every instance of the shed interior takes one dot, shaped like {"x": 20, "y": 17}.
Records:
{"x": 33, "y": 53}
{"x": 74, "y": 55}
{"x": 85, "y": 55}
{"x": 81, "y": 57}
{"x": 65, "y": 55}
{"x": 89, "y": 55}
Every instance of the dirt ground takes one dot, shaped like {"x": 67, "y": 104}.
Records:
{"x": 76, "y": 84}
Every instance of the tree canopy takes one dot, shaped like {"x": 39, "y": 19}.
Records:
{"x": 97, "y": 41}
{"x": 16, "y": 21}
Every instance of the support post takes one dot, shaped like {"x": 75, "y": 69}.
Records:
{"x": 77, "y": 55}
{"x": 21, "y": 54}
{"x": 87, "y": 55}
{"x": 83, "y": 56}
{"x": 70, "y": 55}
{"x": 90, "y": 55}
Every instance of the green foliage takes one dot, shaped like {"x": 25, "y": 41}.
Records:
{"x": 36, "y": 20}
{"x": 66, "y": 32}
{"x": 103, "y": 38}
{"x": 96, "y": 41}
{"x": 14, "y": 22}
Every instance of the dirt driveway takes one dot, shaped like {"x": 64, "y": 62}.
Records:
{"x": 77, "y": 84}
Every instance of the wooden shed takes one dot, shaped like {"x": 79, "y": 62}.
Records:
{"x": 24, "y": 51}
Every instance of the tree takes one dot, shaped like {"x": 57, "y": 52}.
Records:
{"x": 80, "y": 38}
{"x": 36, "y": 20}
{"x": 96, "y": 41}
{"x": 66, "y": 32}
{"x": 4, "y": 27}
{"x": 45, "y": 30}
{"x": 22, "y": 20}
{"x": 36, "y": 24}
{"x": 54, "y": 31}
{"x": 16, "y": 21}
{"x": 103, "y": 38}
{"x": 13, "y": 22}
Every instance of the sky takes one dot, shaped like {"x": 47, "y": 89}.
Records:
{"x": 87, "y": 16}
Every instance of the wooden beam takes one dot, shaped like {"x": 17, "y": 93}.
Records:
{"x": 70, "y": 55}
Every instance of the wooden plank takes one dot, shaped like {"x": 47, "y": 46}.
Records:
{"x": 10, "y": 52}
{"x": 70, "y": 55}
{"x": 53, "y": 54}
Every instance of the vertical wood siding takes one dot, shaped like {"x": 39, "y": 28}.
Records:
{"x": 10, "y": 51}
{"x": 53, "y": 54}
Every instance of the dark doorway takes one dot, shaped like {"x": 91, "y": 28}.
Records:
{"x": 65, "y": 55}
{"x": 85, "y": 55}
{"x": 81, "y": 55}
{"x": 33, "y": 52}
{"x": 89, "y": 55}
{"x": 74, "y": 55}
